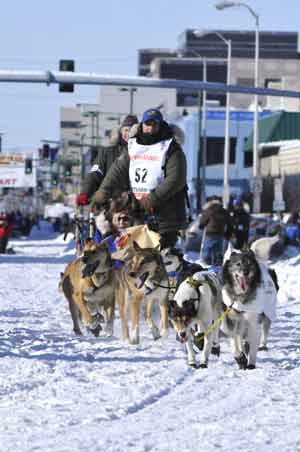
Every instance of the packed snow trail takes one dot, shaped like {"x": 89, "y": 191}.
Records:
{"x": 63, "y": 393}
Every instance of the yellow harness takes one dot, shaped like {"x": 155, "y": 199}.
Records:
{"x": 222, "y": 316}
{"x": 216, "y": 322}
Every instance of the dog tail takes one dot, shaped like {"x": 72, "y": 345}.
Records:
{"x": 262, "y": 247}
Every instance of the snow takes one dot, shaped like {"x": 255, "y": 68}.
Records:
{"x": 63, "y": 393}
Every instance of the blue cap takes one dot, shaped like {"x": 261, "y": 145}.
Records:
{"x": 152, "y": 115}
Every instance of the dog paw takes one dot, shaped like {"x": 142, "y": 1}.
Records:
{"x": 203, "y": 366}
{"x": 242, "y": 361}
{"x": 251, "y": 366}
{"x": 215, "y": 350}
{"x": 96, "y": 331}
{"x": 263, "y": 348}
{"x": 194, "y": 365}
{"x": 77, "y": 331}
{"x": 155, "y": 333}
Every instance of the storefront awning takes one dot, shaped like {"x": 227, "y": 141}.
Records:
{"x": 278, "y": 127}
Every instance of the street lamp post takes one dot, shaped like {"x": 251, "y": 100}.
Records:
{"x": 226, "y": 4}
{"x": 94, "y": 115}
{"x": 202, "y": 139}
{"x": 82, "y": 159}
{"x": 131, "y": 90}
{"x": 226, "y": 193}
{"x": 226, "y": 185}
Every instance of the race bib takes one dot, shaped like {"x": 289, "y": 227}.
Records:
{"x": 146, "y": 166}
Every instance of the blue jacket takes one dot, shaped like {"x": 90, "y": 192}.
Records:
{"x": 292, "y": 232}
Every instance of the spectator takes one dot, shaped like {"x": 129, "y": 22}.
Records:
{"x": 65, "y": 223}
{"x": 104, "y": 160}
{"x": 5, "y": 230}
{"x": 154, "y": 169}
{"x": 56, "y": 223}
{"x": 240, "y": 223}
{"x": 292, "y": 230}
{"x": 124, "y": 212}
{"x": 218, "y": 226}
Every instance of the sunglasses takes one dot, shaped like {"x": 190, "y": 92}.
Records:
{"x": 123, "y": 218}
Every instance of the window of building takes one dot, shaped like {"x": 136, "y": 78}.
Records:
{"x": 215, "y": 151}
{"x": 271, "y": 80}
{"x": 189, "y": 99}
{"x": 248, "y": 159}
{"x": 70, "y": 124}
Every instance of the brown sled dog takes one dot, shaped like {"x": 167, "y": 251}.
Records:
{"x": 145, "y": 267}
{"x": 82, "y": 278}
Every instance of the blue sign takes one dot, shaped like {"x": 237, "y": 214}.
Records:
{"x": 236, "y": 115}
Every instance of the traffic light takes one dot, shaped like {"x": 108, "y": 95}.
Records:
{"x": 68, "y": 170}
{"x": 54, "y": 179}
{"x": 46, "y": 151}
{"x": 40, "y": 185}
{"x": 66, "y": 66}
{"x": 28, "y": 166}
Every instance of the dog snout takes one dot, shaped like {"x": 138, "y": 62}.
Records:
{"x": 182, "y": 334}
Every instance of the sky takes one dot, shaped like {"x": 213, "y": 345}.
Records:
{"x": 103, "y": 37}
{"x": 64, "y": 393}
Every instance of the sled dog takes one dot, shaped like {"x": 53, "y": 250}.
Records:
{"x": 250, "y": 290}
{"x": 146, "y": 282}
{"x": 88, "y": 284}
{"x": 197, "y": 301}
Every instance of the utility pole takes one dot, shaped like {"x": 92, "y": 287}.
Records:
{"x": 131, "y": 91}
{"x": 203, "y": 138}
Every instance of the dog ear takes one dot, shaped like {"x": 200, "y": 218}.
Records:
{"x": 136, "y": 246}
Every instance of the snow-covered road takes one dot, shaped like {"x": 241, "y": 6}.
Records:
{"x": 61, "y": 393}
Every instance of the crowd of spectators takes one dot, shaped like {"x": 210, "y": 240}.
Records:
{"x": 14, "y": 224}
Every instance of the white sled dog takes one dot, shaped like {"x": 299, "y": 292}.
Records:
{"x": 197, "y": 302}
{"x": 250, "y": 290}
